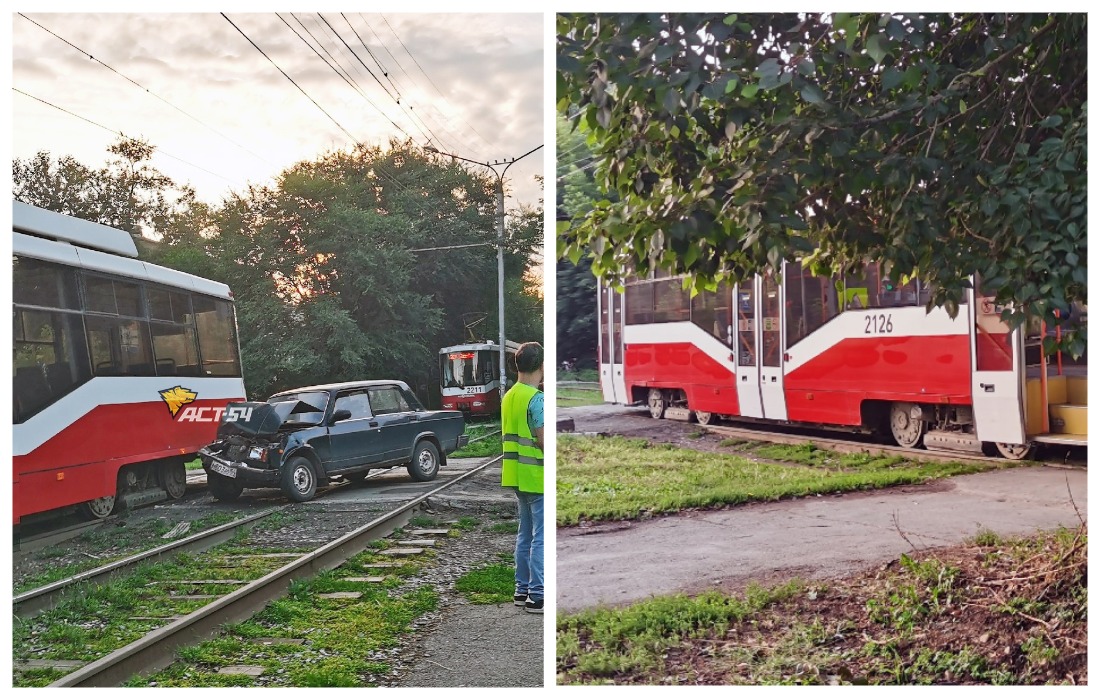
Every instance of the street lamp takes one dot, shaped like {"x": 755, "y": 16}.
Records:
{"x": 500, "y": 241}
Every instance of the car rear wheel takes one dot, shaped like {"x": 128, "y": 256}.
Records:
{"x": 425, "y": 462}
{"x": 222, "y": 487}
{"x": 299, "y": 479}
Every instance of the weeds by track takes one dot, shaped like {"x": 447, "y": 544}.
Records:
{"x": 136, "y": 625}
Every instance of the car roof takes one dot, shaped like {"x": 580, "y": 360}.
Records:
{"x": 339, "y": 386}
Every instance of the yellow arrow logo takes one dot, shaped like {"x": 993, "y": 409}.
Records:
{"x": 177, "y": 397}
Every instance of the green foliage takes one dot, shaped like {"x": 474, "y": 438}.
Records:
{"x": 619, "y": 478}
{"x": 940, "y": 144}
{"x": 322, "y": 266}
{"x": 490, "y": 584}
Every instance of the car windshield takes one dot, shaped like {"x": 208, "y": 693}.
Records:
{"x": 310, "y": 409}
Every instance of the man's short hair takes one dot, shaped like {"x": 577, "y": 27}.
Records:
{"x": 529, "y": 357}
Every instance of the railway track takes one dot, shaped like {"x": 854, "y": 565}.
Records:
{"x": 157, "y": 648}
{"x": 857, "y": 446}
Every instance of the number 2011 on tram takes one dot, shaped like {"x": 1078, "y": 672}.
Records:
{"x": 856, "y": 352}
{"x": 121, "y": 368}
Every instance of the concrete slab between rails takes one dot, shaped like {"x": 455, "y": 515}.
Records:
{"x": 61, "y": 665}
{"x": 254, "y": 671}
{"x": 817, "y": 537}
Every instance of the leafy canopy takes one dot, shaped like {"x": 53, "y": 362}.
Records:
{"x": 942, "y": 145}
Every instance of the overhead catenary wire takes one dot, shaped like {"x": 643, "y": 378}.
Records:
{"x": 115, "y": 131}
{"x": 142, "y": 87}
{"x": 431, "y": 82}
{"x": 347, "y": 78}
{"x": 441, "y": 122}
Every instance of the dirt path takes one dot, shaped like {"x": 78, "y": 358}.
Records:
{"x": 620, "y": 563}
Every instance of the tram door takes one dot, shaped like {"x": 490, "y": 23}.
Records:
{"x": 771, "y": 347}
{"x": 996, "y": 357}
{"x": 612, "y": 383}
{"x": 745, "y": 349}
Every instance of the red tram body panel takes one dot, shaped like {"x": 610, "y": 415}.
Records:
{"x": 854, "y": 353}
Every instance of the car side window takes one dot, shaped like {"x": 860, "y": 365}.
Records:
{"x": 357, "y": 403}
{"x": 387, "y": 400}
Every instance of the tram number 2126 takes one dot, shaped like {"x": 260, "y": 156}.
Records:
{"x": 878, "y": 323}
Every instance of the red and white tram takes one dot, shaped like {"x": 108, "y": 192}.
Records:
{"x": 469, "y": 376}
{"x": 121, "y": 369}
{"x": 854, "y": 352}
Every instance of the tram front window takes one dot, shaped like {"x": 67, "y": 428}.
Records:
{"x": 458, "y": 369}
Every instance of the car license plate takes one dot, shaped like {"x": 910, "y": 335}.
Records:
{"x": 224, "y": 470}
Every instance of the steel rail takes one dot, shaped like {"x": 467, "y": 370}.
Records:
{"x": 855, "y": 447}
{"x": 157, "y": 649}
{"x": 46, "y": 597}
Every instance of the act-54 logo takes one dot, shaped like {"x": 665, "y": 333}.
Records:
{"x": 177, "y": 399}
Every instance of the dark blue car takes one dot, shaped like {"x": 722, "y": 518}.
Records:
{"x": 302, "y": 438}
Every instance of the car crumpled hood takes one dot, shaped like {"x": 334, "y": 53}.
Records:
{"x": 254, "y": 418}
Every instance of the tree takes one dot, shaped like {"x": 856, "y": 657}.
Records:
{"x": 576, "y": 286}
{"x": 942, "y": 145}
{"x": 128, "y": 193}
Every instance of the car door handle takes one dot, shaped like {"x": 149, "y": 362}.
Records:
{"x": 373, "y": 424}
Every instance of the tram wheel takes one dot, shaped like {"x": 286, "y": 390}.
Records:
{"x": 657, "y": 403}
{"x": 98, "y": 508}
{"x": 906, "y": 424}
{"x": 173, "y": 477}
{"x": 1009, "y": 451}
{"x": 704, "y": 417}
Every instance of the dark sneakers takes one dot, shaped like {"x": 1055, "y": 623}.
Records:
{"x": 519, "y": 599}
{"x": 533, "y": 606}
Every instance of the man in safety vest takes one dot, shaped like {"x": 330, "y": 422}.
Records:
{"x": 521, "y": 417}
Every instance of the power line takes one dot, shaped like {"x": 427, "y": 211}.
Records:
{"x": 142, "y": 87}
{"x": 371, "y": 54}
{"x": 114, "y": 131}
{"x": 290, "y": 79}
{"x": 346, "y": 78}
{"x": 485, "y": 140}
{"x": 440, "y": 123}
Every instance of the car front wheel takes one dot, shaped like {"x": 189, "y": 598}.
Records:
{"x": 299, "y": 479}
{"x": 425, "y": 462}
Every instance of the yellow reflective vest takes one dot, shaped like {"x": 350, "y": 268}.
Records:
{"x": 522, "y": 457}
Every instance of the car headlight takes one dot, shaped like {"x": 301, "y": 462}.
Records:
{"x": 257, "y": 453}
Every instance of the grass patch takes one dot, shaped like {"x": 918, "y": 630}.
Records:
{"x": 490, "y": 584}
{"x": 934, "y": 619}
{"x": 487, "y": 447}
{"x": 113, "y": 544}
{"x": 510, "y": 527}
{"x": 568, "y": 396}
{"x": 631, "y": 643}
{"x": 621, "y": 478}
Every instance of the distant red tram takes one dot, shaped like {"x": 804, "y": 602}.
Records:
{"x": 469, "y": 376}
{"x": 856, "y": 352}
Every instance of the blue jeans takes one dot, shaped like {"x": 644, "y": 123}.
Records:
{"x": 529, "y": 545}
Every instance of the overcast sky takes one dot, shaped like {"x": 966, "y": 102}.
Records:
{"x": 477, "y": 91}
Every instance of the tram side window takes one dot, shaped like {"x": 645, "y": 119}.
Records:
{"x": 811, "y": 302}
{"x": 38, "y": 283}
{"x": 176, "y": 349}
{"x": 107, "y": 296}
{"x": 893, "y": 295}
{"x": 639, "y": 303}
{"x": 711, "y": 312}
{"x": 119, "y": 347}
{"x": 861, "y": 288}
{"x": 217, "y": 337}
{"x": 49, "y": 359}
{"x": 169, "y": 306}
{"x": 670, "y": 301}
